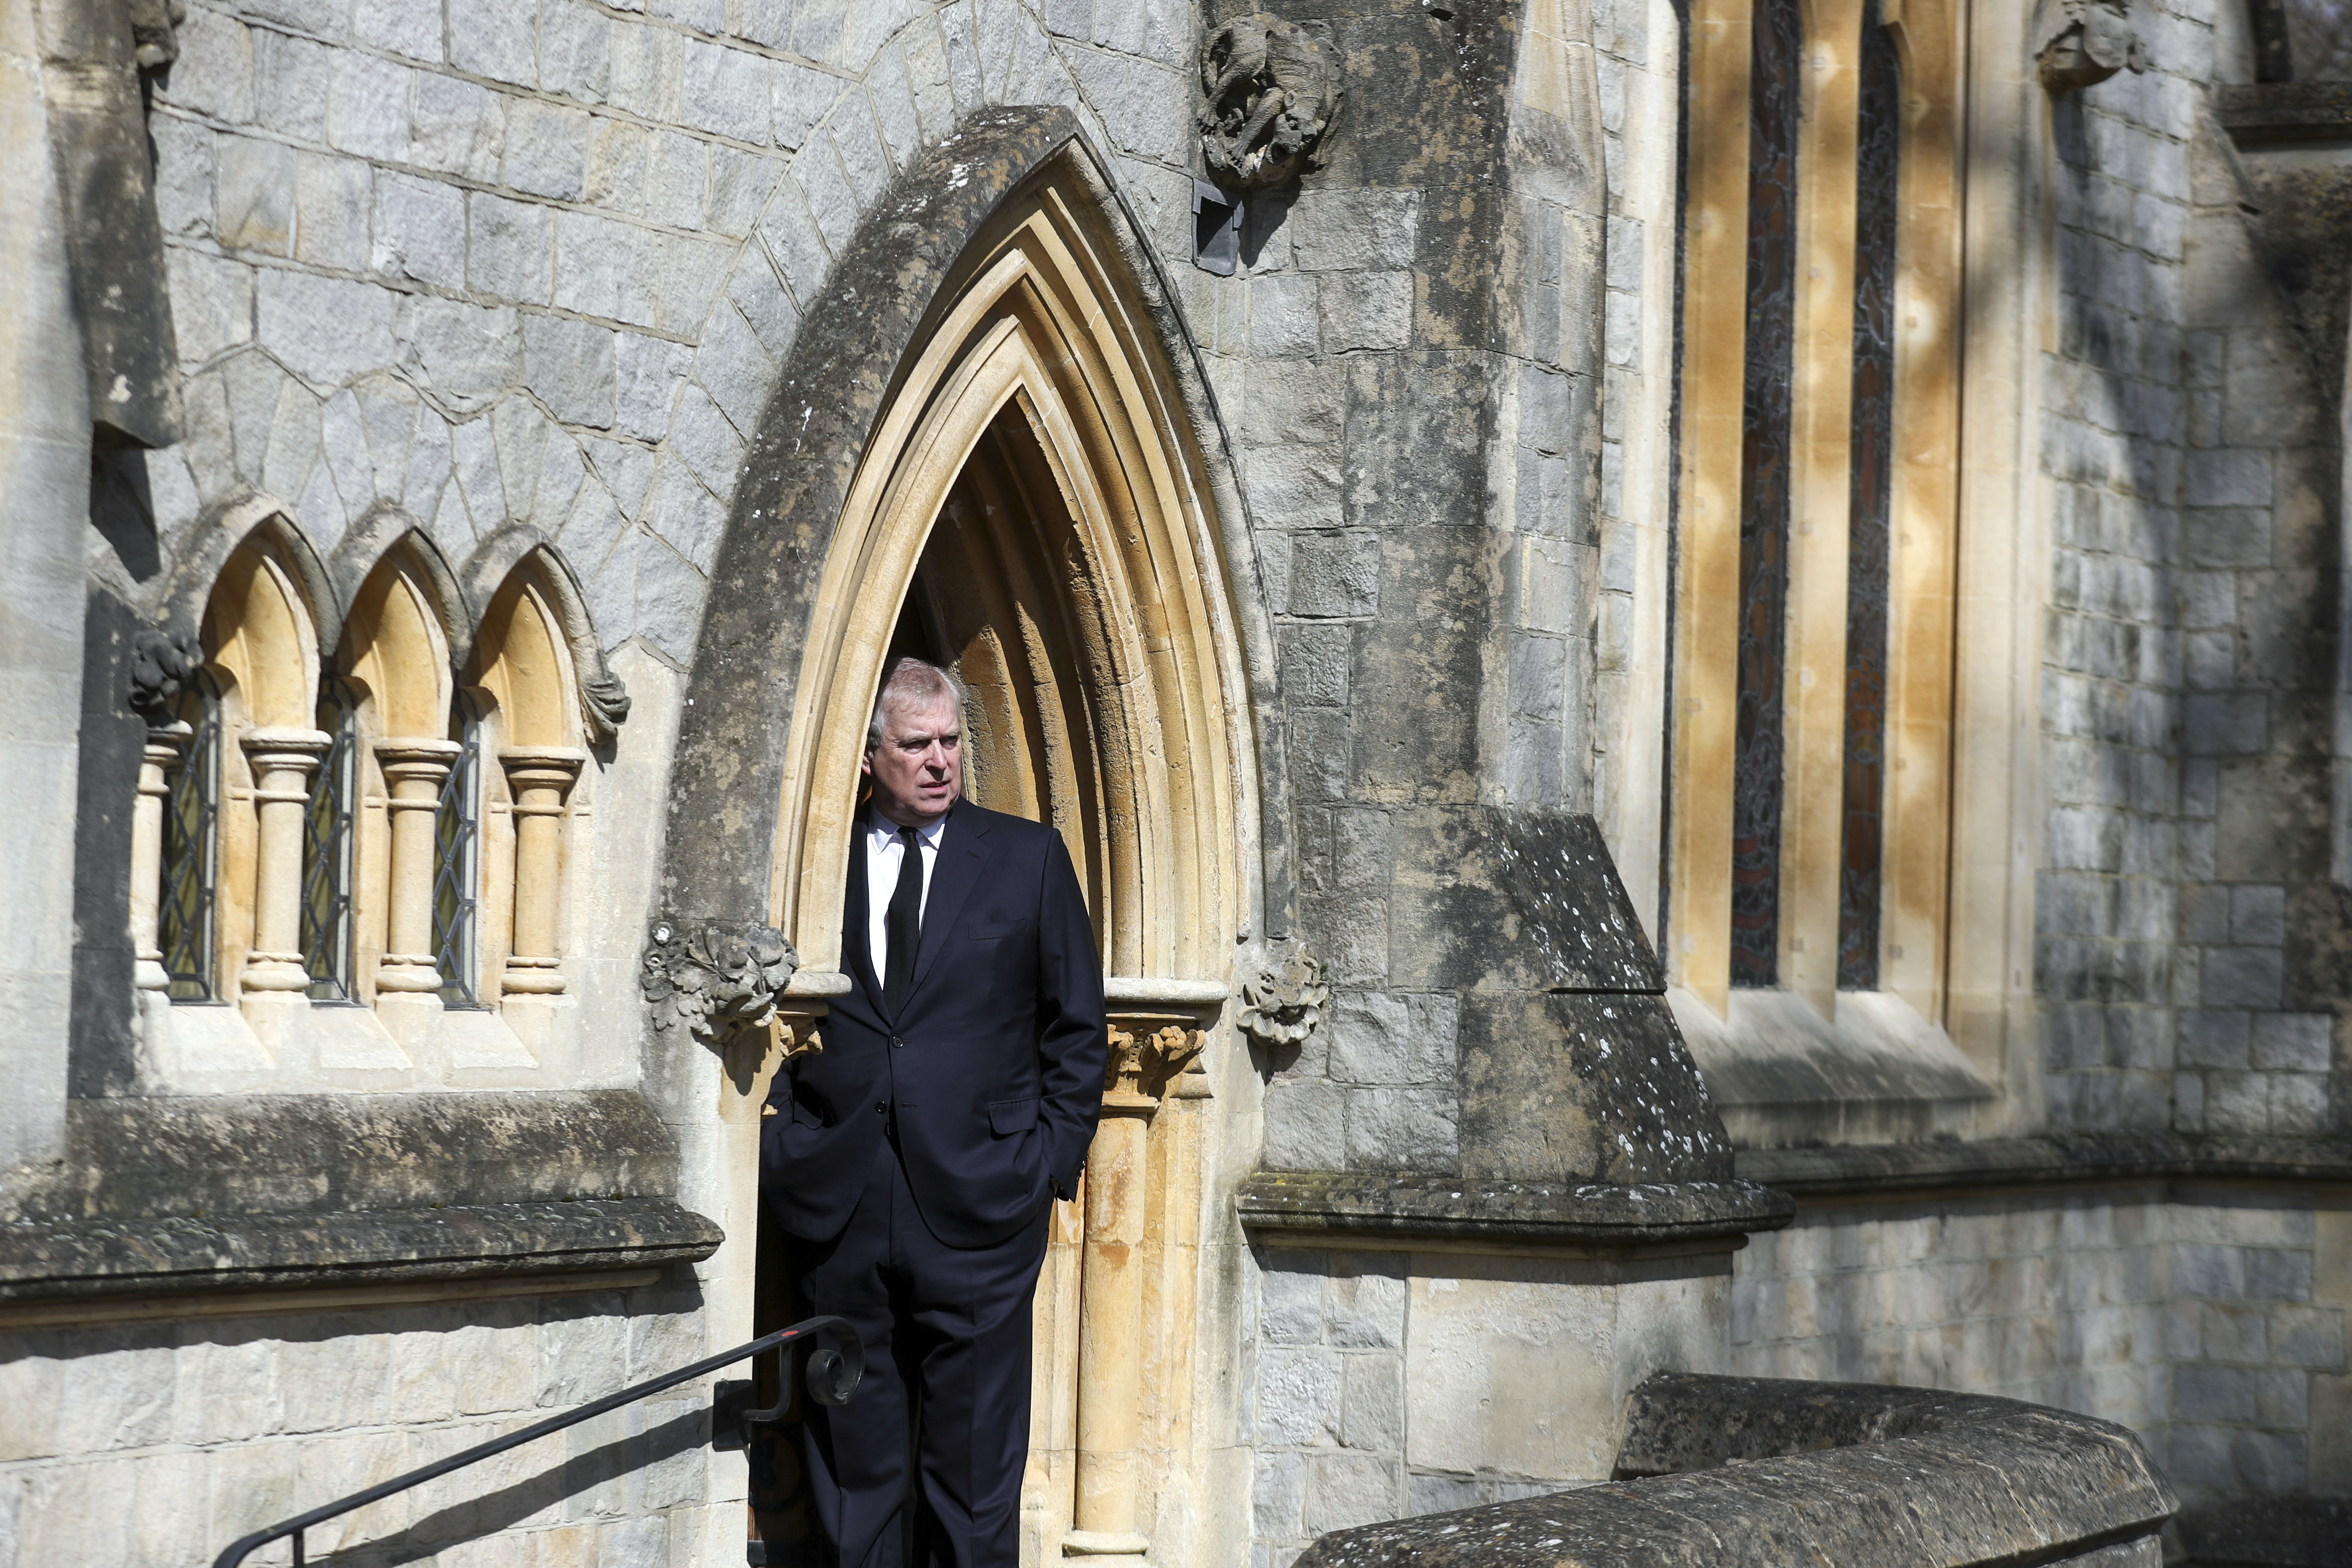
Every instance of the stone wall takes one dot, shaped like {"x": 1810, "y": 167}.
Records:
{"x": 162, "y": 1442}
{"x": 2188, "y": 941}
{"x": 2210, "y": 1324}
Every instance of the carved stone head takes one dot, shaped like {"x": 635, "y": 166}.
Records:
{"x": 1269, "y": 89}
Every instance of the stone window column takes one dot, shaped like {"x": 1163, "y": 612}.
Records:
{"x": 282, "y": 762}
{"x": 1111, "y": 1291}
{"x": 539, "y": 779}
{"x": 165, "y": 745}
{"x": 414, "y": 771}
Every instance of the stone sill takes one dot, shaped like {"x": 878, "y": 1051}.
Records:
{"x": 99, "y": 1260}
{"x": 1372, "y": 1210}
{"x": 1907, "y": 1170}
{"x": 2268, "y": 114}
{"x": 1767, "y": 1473}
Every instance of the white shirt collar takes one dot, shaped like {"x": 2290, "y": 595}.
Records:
{"x": 886, "y": 831}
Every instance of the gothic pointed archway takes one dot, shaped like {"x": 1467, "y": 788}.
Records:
{"x": 1020, "y": 485}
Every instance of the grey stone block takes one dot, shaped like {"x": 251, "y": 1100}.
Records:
{"x": 2272, "y": 1461}
{"x": 2298, "y": 1103}
{"x": 1305, "y": 1126}
{"x": 570, "y": 365}
{"x": 498, "y": 41}
{"x": 1335, "y": 575}
{"x": 410, "y": 27}
{"x": 1378, "y": 1038}
{"x": 419, "y": 231}
{"x": 677, "y": 180}
{"x": 367, "y": 106}
{"x": 1403, "y": 1130}
{"x": 1296, "y": 487}
{"x": 757, "y": 292}
{"x": 857, "y": 139}
{"x": 2258, "y": 915}
{"x": 255, "y": 195}
{"x": 684, "y": 516}
{"x": 323, "y": 328}
{"x": 648, "y": 71}
{"x": 465, "y": 354}
{"x": 1372, "y": 1402}
{"x": 1277, "y": 1495}
{"x": 618, "y": 152}
{"x": 574, "y": 50}
{"x": 2298, "y": 1042}
{"x": 211, "y": 303}
{"x": 670, "y": 597}
{"x": 649, "y": 373}
{"x": 1366, "y": 311}
{"x": 691, "y": 273}
{"x": 185, "y": 198}
{"x": 1314, "y": 661}
{"x": 458, "y": 127}
{"x": 1348, "y": 1489}
{"x": 825, "y": 193}
{"x": 1347, "y": 230}
{"x": 2243, "y": 977}
{"x": 214, "y": 72}
{"x": 894, "y": 106}
{"x": 740, "y": 184}
{"x": 1364, "y": 1301}
{"x": 290, "y": 78}
{"x": 1283, "y": 317}
{"x": 510, "y": 247}
{"x": 727, "y": 93}
{"x": 2202, "y": 1269}
{"x": 606, "y": 268}
{"x": 734, "y": 368}
{"x": 546, "y": 149}
{"x": 2213, "y": 1039}
{"x": 2228, "y": 477}
{"x": 1298, "y": 1396}
{"x": 1290, "y": 1297}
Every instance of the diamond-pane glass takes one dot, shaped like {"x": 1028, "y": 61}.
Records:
{"x": 1878, "y": 162}
{"x": 2319, "y": 39}
{"x": 1774, "y": 102}
{"x": 457, "y": 830}
{"x": 327, "y": 842}
{"x": 184, "y": 923}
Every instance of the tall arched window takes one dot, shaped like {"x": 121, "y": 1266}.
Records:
{"x": 457, "y": 862}
{"x": 191, "y": 849}
{"x": 330, "y": 840}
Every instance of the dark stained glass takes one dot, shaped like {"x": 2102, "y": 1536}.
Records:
{"x": 1878, "y": 159}
{"x": 191, "y": 852}
{"x": 457, "y": 838}
{"x": 327, "y": 843}
{"x": 2319, "y": 34}
{"x": 1774, "y": 99}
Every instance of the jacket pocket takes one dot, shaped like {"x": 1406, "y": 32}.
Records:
{"x": 1006, "y": 1117}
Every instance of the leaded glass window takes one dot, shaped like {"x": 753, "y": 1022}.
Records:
{"x": 2319, "y": 39}
{"x": 184, "y": 918}
{"x": 1774, "y": 103}
{"x": 326, "y": 848}
{"x": 1878, "y": 160}
{"x": 457, "y": 877}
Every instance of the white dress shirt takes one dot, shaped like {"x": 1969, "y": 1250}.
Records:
{"x": 883, "y": 853}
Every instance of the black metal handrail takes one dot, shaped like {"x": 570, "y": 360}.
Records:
{"x": 831, "y": 1377}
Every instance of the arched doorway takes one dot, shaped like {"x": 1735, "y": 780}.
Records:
{"x": 1031, "y": 509}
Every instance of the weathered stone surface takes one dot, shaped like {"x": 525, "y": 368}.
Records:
{"x": 1758, "y": 1471}
{"x": 2083, "y": 1157}
{"x": 1463, "y": 1208}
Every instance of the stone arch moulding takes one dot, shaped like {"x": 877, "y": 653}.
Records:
{"x": 1003, "y": 278}
{"x": 184, "y": 592}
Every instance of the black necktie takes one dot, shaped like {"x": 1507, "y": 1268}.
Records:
{"x": 902, "y": 925}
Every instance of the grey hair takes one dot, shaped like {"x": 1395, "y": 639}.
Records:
{"x": 913, "y": 679}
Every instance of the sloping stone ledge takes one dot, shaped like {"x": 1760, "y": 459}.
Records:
{"x": 91, "y": 1259}
{"x": 2266, "y": 114}
{"x": 1454, "y": 1208}
{"x": 2053, "y": 1159}
{"x": 1767, "y": 1473}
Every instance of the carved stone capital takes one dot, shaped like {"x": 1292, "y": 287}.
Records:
{"x": 1281, "y": 1006}
{"x": 1269, "y": 89}
{"x": 2085, "y": 42}
{"x": 713, "y": 978}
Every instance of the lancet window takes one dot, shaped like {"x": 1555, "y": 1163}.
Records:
{"x": 366, "y": 825}
{"x": 1810, "y": 800}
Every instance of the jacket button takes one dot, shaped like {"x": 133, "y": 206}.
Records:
{"x": 897, "y": 1043}
{"x": 881, "y": 1107}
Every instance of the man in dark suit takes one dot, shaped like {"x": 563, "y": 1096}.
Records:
{"x": 914, "y": 1160}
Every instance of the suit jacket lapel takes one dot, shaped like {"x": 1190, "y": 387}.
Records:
{"x": 964, "y": 851}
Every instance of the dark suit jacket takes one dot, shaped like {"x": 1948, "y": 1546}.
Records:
{"x": 993, "y": 1068}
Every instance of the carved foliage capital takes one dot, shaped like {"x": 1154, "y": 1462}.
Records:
{"x": 712, "y": 978}
{"x": 162, "y": 665}
{"x": 1282, "y": 1005}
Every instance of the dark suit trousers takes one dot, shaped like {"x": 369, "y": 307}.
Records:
{"x": 947, "y": 1386}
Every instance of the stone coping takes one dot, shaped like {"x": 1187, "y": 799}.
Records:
{"x": 2267, "y": 113}
{"x": 88, "y": 1259}
{"x": 1736, "y": 1472}
{"x": 2056, "y": 1158}
{"x": 1455, "y": 1208}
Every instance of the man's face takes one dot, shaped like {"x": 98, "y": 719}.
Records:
{"x": 918, "y": 770}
